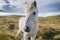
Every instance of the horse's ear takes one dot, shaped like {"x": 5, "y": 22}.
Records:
{"x": 25, "y": 2}
{"x": 34, "y": 3}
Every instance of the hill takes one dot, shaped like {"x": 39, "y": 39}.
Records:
{"x": 49, "y": 27}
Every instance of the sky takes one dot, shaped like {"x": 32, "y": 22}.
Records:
{"x": 45, "y": 7}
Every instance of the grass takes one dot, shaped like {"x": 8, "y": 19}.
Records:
{"x": 49, "y": 28}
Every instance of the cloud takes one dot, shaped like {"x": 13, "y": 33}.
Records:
{"x": 11, "y": 6}
{"x": 48, "y": 14}
{"x": 9, "y": 14}
{"x": 46, "y": 6}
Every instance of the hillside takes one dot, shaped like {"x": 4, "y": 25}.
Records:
{"x": 49, "y": 27}
{"x": 51, "y": 21}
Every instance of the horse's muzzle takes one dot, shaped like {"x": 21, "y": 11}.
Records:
{"x": 27, "y": 29}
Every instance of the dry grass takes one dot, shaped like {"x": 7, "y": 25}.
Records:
{"x": 49, "y": 28}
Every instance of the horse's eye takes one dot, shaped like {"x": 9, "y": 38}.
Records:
{"x": 34, "y": 13}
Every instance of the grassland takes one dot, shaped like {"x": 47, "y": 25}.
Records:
{"x": 49, "y": 28}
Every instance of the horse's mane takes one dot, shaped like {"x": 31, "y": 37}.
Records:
{"x": 30, "y": 6}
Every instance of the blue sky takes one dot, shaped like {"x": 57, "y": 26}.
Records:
{"x": 45, "y": 7}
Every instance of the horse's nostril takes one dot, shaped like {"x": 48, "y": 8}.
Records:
{"x": 27, "y": 27}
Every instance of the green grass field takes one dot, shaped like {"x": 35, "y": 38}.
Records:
{"x": 49, "y": 28}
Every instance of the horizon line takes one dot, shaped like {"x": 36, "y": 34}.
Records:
{"x": 22, "y": 14}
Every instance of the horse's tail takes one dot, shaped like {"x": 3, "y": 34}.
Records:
{"x": 17, "y": 34}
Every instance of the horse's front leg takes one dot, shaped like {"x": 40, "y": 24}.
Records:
{"x": 25, "y": 36}
{"x": 33, "y": 37}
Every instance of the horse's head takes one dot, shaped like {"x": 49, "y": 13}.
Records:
{"x": 31, "y": 12}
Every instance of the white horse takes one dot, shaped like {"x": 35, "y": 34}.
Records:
{"x": 29, "y": 24}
